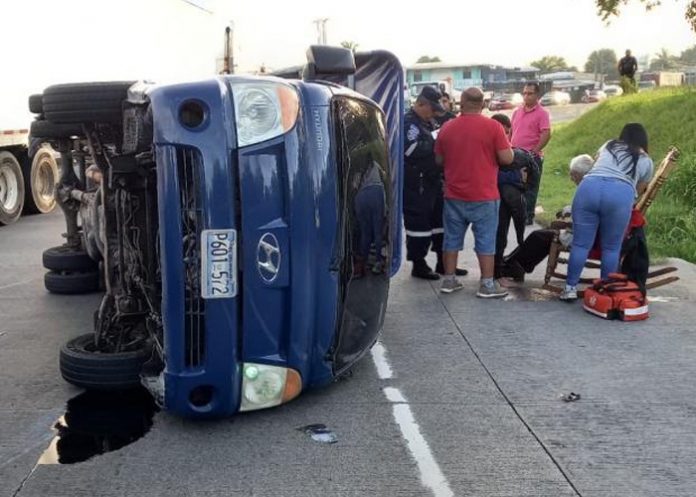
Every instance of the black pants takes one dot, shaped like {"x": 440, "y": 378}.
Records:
{"x": 512, "y": 207}
{"x": 533, "y": 190}
{"x": 532, "y": 251}
{"x": 423, "y": 221}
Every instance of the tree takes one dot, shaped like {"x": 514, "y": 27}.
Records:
{"x": 663, "y": 61}
{"x": 612, "y": 8}
{"x": 603, "y": 61}
{"x": 550, "y": 63}
{"x": 351, "y": 45}
{"x": 688, "y": 56}
{"x": 426, "y": 58}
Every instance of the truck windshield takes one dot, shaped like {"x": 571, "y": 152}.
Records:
{"x": 364, "y": 234}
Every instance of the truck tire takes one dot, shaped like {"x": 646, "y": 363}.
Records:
{"x": 11, "y": 189}
{"x": 52, "y": 131}
{"x": 71, "y": 282}
{"x": 85, "y": 102}
{"x": 65, "y": 258}
{"x": 36, "y": 104}
{"x": 40, "y": 182}
{"x": 84, "y": 366}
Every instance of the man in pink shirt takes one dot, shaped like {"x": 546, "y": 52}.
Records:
{"x": 531, "y": 131}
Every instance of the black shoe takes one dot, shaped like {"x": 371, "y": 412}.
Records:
{"x": 422, "y": 270}
{"x": 440, "y": 269}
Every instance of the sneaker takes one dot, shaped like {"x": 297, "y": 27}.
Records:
{"x": 570, "y": 294}
{"x": 493, "y": 291}
{"x": 450, "y": 285}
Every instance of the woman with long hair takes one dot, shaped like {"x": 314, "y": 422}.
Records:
{"x": 604, "y": 200}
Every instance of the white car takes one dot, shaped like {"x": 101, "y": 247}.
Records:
{"x": 613, "y": 90}
{"x": 555, "y": 97}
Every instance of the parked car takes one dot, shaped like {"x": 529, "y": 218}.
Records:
{"x": 647, "y": 85}
{"x": 613, "y": 90}
{"x": 223, "y": 217}
{"x": 555, "y": 97}
{"x": 594, "y": 96}
{"x": 505, "y": 101}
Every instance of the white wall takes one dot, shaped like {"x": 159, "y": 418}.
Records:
{"x": 56, "y": 41}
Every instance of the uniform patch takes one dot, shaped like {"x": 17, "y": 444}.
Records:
{"x": 412, "y": 132}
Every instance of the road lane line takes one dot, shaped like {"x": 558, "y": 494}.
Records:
{"x": 431, "y": 475}
{"x": 379, "y": 356}
{"x": 18, "y": 283}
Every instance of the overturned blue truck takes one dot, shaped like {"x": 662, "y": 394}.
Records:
{"x": 243, "y": 229}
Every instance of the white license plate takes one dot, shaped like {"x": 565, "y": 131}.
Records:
{"x": 218, "y": 264}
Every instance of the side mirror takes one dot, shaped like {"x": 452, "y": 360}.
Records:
{"x": 325, "y": 60}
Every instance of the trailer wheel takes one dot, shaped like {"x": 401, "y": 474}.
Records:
{"x": 71, "y": 282}
{"x": 65, "y": 258}
{"x": 52, "y": 131}
{"x": 84, "y": 366}
{"x": 85, "y": 102}
{"x": 11, "y": 188}
{"x": 35, "y": 104}
{"x": 40, "y": 182}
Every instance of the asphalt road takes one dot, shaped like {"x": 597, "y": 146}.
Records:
{"x": 461, "y": 398}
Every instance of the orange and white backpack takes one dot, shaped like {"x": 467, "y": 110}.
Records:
{"x": 616, "y": 298}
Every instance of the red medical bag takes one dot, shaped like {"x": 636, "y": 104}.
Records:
{"x": 616, "y": 298}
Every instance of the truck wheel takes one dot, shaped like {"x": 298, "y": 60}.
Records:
{"x": 52, "y": 131}
{"x": 84, "y": 366}
{"x": 11, "y": 188}
{"x": 71, "y": 282}
{"x": 65, "y": 258}
{"x": 40, "y": 183}
{"x": 35, "y": 104}
{"x": 85, "y": 102}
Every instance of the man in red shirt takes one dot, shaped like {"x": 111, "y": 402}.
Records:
{"x": 531, "y": 131}
{"x": 470, "y": 147}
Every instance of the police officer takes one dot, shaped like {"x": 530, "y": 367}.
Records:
{"x": 423, "y": 186}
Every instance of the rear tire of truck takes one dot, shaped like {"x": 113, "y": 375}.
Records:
{"x": 84, "y": 366}
{"x": 65, "y": 258}
{"x": 36, "y": 104}
{"x": 85, "y": 102}
{"x": 52, "y": 131}
{"x": 40, "y": 183}
{"x": 71, "y": 282}
{"x": 11, "y": 189}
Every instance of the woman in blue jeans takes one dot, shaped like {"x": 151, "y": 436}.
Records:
{"x": 604, "y": 200}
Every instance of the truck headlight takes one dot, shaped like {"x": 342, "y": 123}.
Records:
{"x": 263, "y": 110}
{"x": 267, "y": 386}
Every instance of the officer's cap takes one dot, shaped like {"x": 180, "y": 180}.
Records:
{"x": 432, "y": 96}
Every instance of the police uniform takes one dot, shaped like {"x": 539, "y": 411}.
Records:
{"x": 422, "y": 193}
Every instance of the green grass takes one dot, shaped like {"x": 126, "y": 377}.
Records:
{"x": 669, "y": 115}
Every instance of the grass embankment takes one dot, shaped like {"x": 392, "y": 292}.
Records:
{"x": 669, "y": 115}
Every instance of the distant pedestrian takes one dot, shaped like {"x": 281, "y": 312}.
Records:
{"x": 470, "y": 147}
{"x": 628, "y": 65}
{"x": 531, "y": 131}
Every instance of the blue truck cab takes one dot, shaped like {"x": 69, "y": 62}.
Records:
{"x": 246, "y": 229}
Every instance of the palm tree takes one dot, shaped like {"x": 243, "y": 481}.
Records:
{"x": 350, "y": 45}
{"x": 663, "y": 61}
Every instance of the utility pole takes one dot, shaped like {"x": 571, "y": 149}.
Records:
{"x": 228, "y": 57}
{"x": 321, "y": 29}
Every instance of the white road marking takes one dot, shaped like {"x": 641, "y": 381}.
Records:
{"x": 384, "y": 370}
{"x": 19, "y": 283}
{"x": 430, "y": 473}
